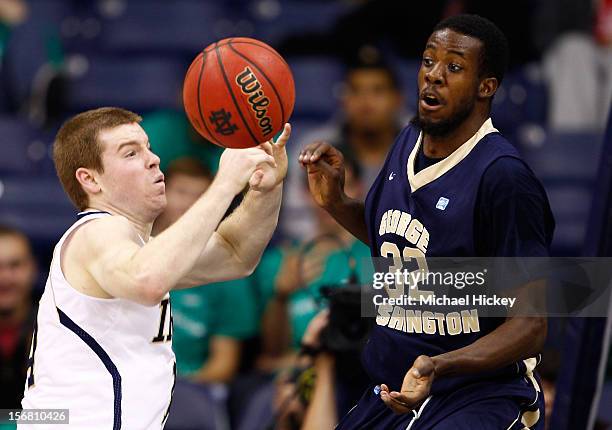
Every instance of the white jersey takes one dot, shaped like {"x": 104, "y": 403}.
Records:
{"x": 109, "y": 361}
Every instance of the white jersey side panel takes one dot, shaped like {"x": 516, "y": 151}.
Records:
{"x": 109, "y": 361}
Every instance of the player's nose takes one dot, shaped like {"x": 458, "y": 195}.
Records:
{"x": 153, "y": 160}
{"x": 435, "y": 75}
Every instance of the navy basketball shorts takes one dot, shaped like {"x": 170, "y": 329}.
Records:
{"x": 515, "y": 404}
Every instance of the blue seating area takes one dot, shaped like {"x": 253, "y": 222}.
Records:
{"x": 141, "y": 84}
{"x": 115, "y": 52}
{"x": 273, "y": 20}
{"x": 567, "y": 166}
{"x": 521, "y": 99}
{"x": 24, "y": 149}
{"x": 317, "y": 86}
{"x": 135, "y": 27}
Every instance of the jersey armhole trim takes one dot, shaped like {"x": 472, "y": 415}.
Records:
{"x": 104, "y": 357}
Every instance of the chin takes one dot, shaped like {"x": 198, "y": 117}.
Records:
{"x": 157, "y": 206}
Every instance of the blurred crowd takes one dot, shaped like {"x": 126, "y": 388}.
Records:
{"x": 251, "y": 353}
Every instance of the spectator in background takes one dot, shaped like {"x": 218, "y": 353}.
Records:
{"x": 172, "y": 137}
{"x": 371, "y": 110}
{"x": 12, "y": 13}
{"x": 288, "y": 281}
{"x": 577, "y": 70}
{"x": 210, "y": 322}
{"x": 289, "y": 278}
{"x": 17, "y": 313}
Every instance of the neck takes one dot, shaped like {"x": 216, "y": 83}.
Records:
{"x": 15, "y": 316}
{"x": 443, "y": 146}
{"x": 141, "y": 224}
{"x": 161, "y": 223}
{"x": 371, "y": 146}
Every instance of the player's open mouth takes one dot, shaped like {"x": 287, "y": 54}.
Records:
{"x": 430, "y": 101}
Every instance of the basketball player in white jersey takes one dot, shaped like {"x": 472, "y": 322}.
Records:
{"x": 102, "y": 341}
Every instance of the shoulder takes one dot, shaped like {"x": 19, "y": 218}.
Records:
{"x": 509, "y": 173}
{"x": 103, "y": 233}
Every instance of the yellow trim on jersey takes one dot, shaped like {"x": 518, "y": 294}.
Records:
{"x": 432, "y": 173}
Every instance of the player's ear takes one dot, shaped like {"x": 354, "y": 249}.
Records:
{"x": 488, "y": 88}
{"x": 88, "y": 180}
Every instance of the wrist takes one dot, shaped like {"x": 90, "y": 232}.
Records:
{"x": 441, "y": 365}
{"x": 336, "y": 205}
{"x": 309, "y": 349}
{"x": 225, "y": 187}
{"x": 274, "y": 189}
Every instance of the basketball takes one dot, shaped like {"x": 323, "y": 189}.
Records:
{"x": 238, "y": 93}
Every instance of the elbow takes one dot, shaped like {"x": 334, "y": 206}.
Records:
{"x": 538, "y": 328}
{"x": 150, "y": 290}
{"x": 248, "y": 269}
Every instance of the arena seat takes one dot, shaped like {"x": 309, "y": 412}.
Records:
{"x": 36, "y": 204}
{"x": 522, "y": 98}
{"x": 566, "y": 163}
{"x": 181, "y": 26}
{"x": 317, "y": 85}
{"x": 24, "y": 148}
{"x": 197, "y": 407}
{"x": 32, "y": 44}
{"x": 275, "y": 20}
{"x": 131, "y": 82}
{"x": 407, "y": 73}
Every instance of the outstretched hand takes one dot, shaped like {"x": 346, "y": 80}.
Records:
{"x": 325, "y": 168}
{"x": 415, "y": 388}
{"x": 267, "y": 176}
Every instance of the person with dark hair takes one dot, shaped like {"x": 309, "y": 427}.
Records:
{"x": 208, "y": 345}
{"x": 452, "y": 186}
{"x": 17, "y": 312}
{"x": 371, "y": 106}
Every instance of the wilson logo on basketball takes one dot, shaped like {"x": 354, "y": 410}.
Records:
{"x": 250, "y": 86}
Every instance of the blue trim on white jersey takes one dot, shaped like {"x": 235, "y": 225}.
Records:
{"x": 82, "y": 214}
{"x": 103, "y": 356}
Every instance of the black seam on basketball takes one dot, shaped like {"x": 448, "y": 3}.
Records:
{"x": 269, "y": 49}
{"x": 204, "y": 54}
{"x": 280, "y": 101}
{"x": 229, "y": 88}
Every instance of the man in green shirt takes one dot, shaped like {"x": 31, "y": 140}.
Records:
{"x": 289, "y": 279}
{"x": 211, "y": 321}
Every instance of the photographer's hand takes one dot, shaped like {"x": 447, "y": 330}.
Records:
{"x": 312, "y": 336}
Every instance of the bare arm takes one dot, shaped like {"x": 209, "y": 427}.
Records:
{"x": 325, "y": 168}
{"x": 321, "y": 413}
{"x": 236, "y": 247}
{"x": 275, "y": 327}
{"x": 223, "y": 362}
{"x": 518, "y": 338}
{"x": 108, "y": 247}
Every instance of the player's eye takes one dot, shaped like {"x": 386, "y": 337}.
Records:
{"x": 427, "y": 62}
{"x": 130, "y": 154}
{"x": 454, "y": 68}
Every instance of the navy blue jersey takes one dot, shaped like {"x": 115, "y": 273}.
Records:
{"x": 433, "y": 213}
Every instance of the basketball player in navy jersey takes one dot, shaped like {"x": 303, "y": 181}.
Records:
{"x": 451, "y": 186}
